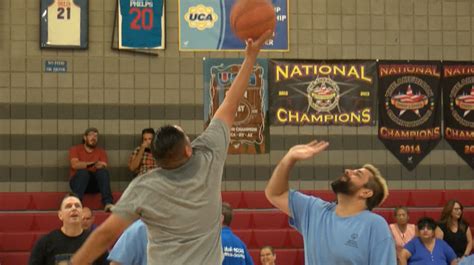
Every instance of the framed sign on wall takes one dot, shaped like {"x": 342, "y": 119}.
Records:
{"x": 64, "y": 24}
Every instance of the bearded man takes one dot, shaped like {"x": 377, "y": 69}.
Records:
{"x": 88, "y": 172}
{"x": 342, "y": 232}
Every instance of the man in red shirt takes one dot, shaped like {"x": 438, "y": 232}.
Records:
{"x": 88, "y": 171}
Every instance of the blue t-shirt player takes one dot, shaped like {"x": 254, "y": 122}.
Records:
{"x": 342, "y": 233}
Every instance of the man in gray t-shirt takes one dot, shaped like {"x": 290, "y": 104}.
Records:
{"x": 180, "y": 202}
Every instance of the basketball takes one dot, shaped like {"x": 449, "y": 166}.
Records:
{"x": 251, "y": 18}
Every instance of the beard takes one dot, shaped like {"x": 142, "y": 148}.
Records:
{"x": 91, "y": 144}
{"x": 342, "y": 185}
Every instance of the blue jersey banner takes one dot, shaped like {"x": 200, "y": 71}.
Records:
{"x": 249, "y": 134}
{"x": 141, "y": 24}
{"x": 204, "y": 25}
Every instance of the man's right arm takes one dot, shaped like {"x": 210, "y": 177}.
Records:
{"x": 228, "y": 108}
{"x": 101, "y": 239}
{"x": 37, "y": 256}
{"x": 136, "y": 159}
{"x": 277, "y": 189}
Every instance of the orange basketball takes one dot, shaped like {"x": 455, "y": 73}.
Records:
{"x": 251, "y": 18}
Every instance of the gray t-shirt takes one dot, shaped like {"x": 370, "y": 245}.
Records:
{"x": 182, "y": 207}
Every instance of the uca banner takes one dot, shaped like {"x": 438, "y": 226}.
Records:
{"x": 458, "y": 101}
{"x": 409, "y": 109}
{"x": 204, "y": 25}
{"x": 309, "y": 92}
{"x": 249, "y": 134}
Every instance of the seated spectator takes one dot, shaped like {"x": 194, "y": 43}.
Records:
{"x": 402, "y": 231}
{"x": 88, "y": 219}
{"x": 131, "y": 247}
{"x": 453, "y": 229}
{"x": 88, "y": 173}
{"x": 142, "y": 160}
{"x": 235, "y": 251}
{"x": 267, "y": 255}
{"x": 426, "y": 249}
{"x": 58, "y": 246}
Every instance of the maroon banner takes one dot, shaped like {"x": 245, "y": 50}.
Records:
{"x": 409, "y": 109}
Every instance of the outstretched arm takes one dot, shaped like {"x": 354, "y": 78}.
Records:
{"x": 278, "y": 187}
{"x": 98, "y": 242}
{"x": 226, "y": 111}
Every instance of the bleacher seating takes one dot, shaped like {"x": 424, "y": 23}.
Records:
{"x": 24, "y": 217}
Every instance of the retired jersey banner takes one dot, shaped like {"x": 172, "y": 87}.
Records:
{"x": 304, "y": 92}
{"x": 64, "y": 24}
{"x": 204, "y": 25}
{"x": 249, "y": 134}
{"x": 458, "y": 98}
{"x": 141, "y": 24}
{"x": 409, "y": 109}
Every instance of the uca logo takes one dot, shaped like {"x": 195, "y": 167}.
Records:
{"x": 409, "y": 101}
{"x": 323, "y": 95}
{"x": 201, "y": 17}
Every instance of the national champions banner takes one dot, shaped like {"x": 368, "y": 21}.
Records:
{"x": 249, "y": 134}
{"x": 141, "y": 24}
{"x": 458, "y": 101}
{"x": 409, "y": 109}
{"x": 204, "y": 25}
{"x": 309, "y": 92}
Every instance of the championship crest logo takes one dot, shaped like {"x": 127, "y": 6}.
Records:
{"x": 461, "y": 101}
{"x": 323, "y": 95}
{"x": 409, "y": 101}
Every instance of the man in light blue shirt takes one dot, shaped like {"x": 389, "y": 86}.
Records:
{"x": 342, "y": 233}
{"x": 130, "y": 249}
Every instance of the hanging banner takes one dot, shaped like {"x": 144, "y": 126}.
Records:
{"x": 64, "y": 24}
{"x": 409, "y": 109}
{"x": 458, "y": 101}
{"x": 141, "y": 24}
{"x": 204, "y": 25}
{"x": 307, "y": 92}
{"x": 249, "y": 134}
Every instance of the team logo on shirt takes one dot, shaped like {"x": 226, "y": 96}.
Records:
{"x": 352, "y": 242}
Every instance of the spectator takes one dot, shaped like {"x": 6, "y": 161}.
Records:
{"x": 454, "y": 229}
{"x": 267, "y": 255}
{"x": 402, "y": 231}
{"x": 130, "y": 249}
{"x": 180, "y": 203}
{"x": 88, "y": 219}
{"x": 235, "y": 251}
{"x": 58, "y": 246}
{"x": 346, "y": 232}
{"x": 142, "y": 160}
{"x": 426, "y": 249}
{"x": 88, "y": 173}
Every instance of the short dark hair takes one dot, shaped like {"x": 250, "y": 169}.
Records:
{"x": 89, "y": 130}
{"x": 426, "y": 222}
{"x": 148, "y": 130}
{"x": 168, "y": 139}
{"x": 67, "y": 195}
{"x": 270, "y": 248}
{"x": 227, "y": 213}
{"x": 398, "y": 208}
